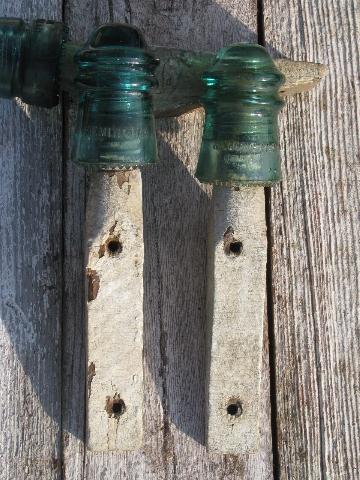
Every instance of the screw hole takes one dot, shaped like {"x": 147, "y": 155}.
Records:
{"x": 232, "y": 246}
{"x": 236, "y": 247}
{"x": 115, "y": 407}
{"x": 114, "y": 247}
{"x": 234, "y": 409}
{"x": 118, "y": 407}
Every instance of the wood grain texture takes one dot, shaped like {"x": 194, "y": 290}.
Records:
{"x": 316, "y": 248}
{"x": 315, "y": 263}
{"x": 80, "y": 21}
{"x": 236, "y": 291}
{"x": 30, "y": 280}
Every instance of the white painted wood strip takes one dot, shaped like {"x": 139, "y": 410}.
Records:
{"x": 114, "y": 231}
{"x": 316, "y": 246}
{"x": 236, "y": 299}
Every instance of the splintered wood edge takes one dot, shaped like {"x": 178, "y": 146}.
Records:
{"x": 300, "y": 76}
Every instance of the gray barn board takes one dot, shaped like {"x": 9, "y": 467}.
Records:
{"x": 315, "y": 252}
{"x": 311, "y": 372}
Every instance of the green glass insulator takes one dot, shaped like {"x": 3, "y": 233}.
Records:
{"x": 115, "y": 126}
{"x": 29, "y": 59}
{"x": 240, "y": 141}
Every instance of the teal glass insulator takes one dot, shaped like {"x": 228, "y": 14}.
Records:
{"x": 240, "y": 140}
{"x": 115, "y": 127}
{"x": 29, "y": 59}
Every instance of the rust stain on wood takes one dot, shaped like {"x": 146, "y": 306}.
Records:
{"x": 123, "y": 177}
{"x": 115, "y": 406}
{"x": 90, "y": 375}
{"x": 93, "y": 284}
{"x": 112, "y": 228}
{"x": 101, "y": 252}
{"x": 232, "y": 246}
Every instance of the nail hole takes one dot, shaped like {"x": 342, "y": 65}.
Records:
{"x": 236, "y": 247}
{"x": 115, "y": 407}
{"x": 234, "y": 409}
{"x": 114, "y": 246}
{"x": 232, "y": 246}
{"x": 118, "y": 407}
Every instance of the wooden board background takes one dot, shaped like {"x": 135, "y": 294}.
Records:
{"x": 313, "y": 273}
{"x": 315, "y": 234}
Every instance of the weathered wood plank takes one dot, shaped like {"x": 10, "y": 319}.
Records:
{"x": 175, "y": 216}
{"x": 208, "y": 26}
{"x": 201, "y": 25}
{"x": 316, "y": 247}
{"x": 80, "y": 21}
{"x": 30, "y": 280}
